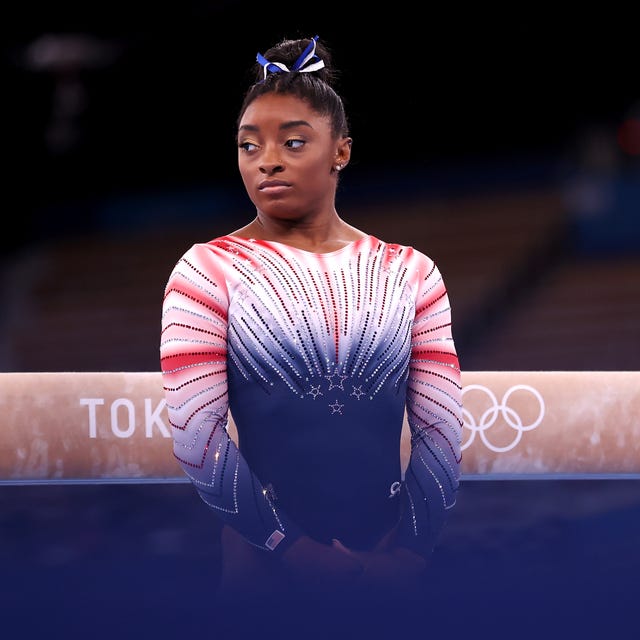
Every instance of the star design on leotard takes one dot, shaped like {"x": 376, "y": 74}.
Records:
{"x": 336, "y": 407}
{"x": 332, "y": 380}
{"x": 315, "y": 392}
{"x": 358, "y": 392}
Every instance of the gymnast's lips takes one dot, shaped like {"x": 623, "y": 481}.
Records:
{"x": 273, "y": 186}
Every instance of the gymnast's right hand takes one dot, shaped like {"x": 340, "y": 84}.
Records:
{"x": 312, "y": 563}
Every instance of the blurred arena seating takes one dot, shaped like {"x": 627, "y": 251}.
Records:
{"x": 522, "y": 298}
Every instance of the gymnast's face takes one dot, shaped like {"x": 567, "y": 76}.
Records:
{"x": 287, "y": 156}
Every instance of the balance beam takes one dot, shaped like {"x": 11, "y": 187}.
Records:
{"x": 83, "y": 428}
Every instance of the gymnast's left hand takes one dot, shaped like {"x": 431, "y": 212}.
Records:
{"x": 384, "y": 567}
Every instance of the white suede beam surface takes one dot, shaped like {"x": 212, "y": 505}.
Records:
{"x": 113, "y": 427}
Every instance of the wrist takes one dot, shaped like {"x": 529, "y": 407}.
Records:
{"x": 279, "y": 542}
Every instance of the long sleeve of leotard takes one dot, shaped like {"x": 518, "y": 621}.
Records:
{"x": 193, "y": 353}
{"x": 434, "y": 406}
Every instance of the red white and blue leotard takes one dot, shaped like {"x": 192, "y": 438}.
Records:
{"x": 317, "y": 357}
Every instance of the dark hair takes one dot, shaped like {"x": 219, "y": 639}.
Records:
{"x": 314, "y": 87}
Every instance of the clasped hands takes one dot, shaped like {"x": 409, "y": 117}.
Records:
{"x": 334, "y": 565}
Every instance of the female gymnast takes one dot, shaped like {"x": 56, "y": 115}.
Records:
{"x": 317, "y": 339}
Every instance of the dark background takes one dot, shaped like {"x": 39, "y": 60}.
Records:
{"x": 152, "y": 92}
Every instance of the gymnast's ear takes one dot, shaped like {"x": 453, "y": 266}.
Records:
{"x": 343, "y": 153}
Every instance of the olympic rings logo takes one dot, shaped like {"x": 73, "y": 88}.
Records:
{"x": 500, "y": 409}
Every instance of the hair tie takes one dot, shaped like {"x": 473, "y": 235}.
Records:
{"x": 307, "y": 61}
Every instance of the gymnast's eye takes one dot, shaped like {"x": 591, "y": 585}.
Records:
{"x": 247, "y": 146}
{"x": 295, "y": 143}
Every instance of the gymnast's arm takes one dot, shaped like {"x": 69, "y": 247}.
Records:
{"x": 434, "y": 412}
{"x": 193, "y": 353}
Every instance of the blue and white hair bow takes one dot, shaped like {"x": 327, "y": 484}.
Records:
{"x": 308, "y": 61}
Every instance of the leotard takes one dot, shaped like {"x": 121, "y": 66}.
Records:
{"x": 317, "y": 357}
